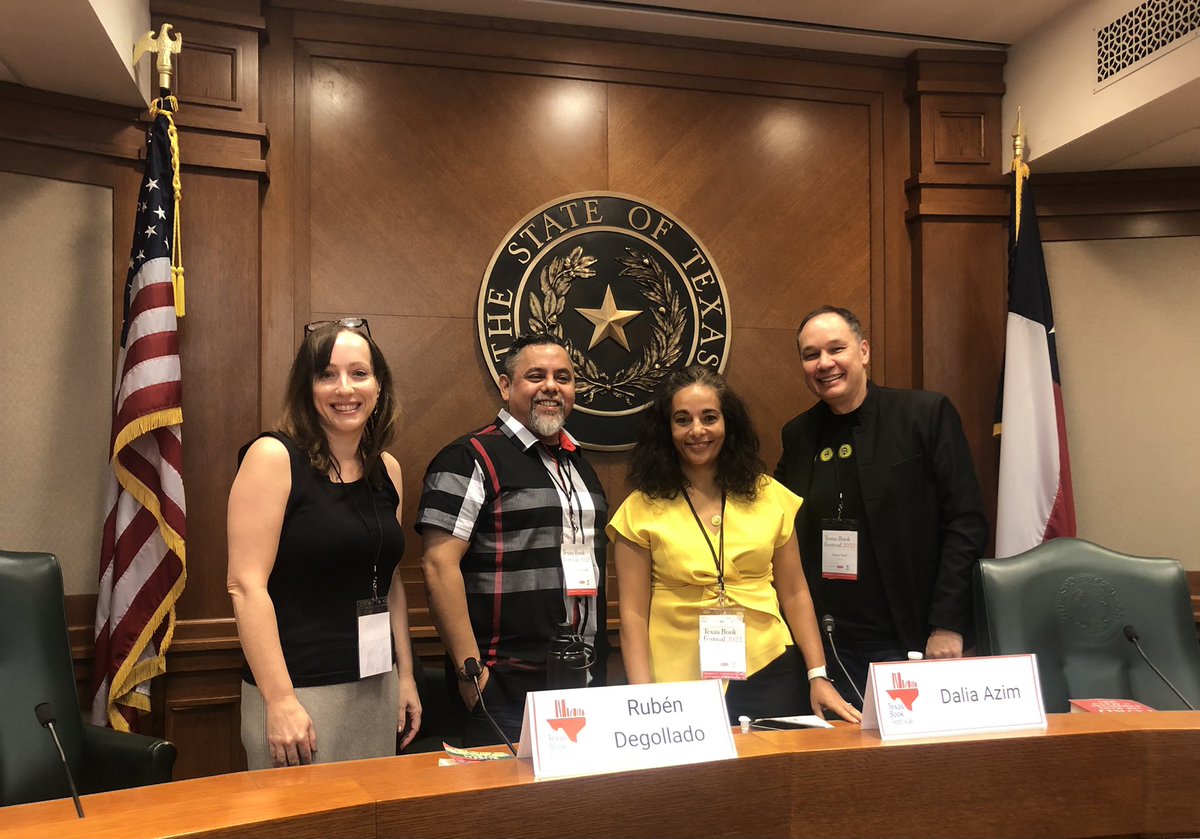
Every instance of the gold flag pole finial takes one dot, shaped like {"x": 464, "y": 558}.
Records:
{"x": 1018, "y": 136}
{"x": 164, "y": 46}
{"x": 1020, "y": 172}
{"x": 166, "y": 105}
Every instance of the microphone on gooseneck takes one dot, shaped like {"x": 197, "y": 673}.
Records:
{"x": 474, "y": 670}
{"x": 1132, "y": 637}
{"x": 45, "y": 716}
{"x": 827, "y": 625}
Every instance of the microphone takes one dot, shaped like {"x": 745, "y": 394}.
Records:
{"x": 827, "y": 625}
{"x": 1132, "y": 637}
{"x": 474, "y": 670}
{"x": 45, "y": 716}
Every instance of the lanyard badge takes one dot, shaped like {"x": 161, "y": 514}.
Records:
{"x": 374, "y": 637}
{"x": 579, "y": 571}
{"x": 723, "y": 629}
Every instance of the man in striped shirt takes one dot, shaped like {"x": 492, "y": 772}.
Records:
{"x": 513, "y": 548}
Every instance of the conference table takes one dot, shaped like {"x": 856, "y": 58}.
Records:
{"x": 1085, "y": 775}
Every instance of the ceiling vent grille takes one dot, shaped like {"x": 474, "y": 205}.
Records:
{"x": 1142, "y": 32}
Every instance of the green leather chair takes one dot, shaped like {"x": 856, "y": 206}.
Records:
{"x": 36, "y": 667}
{"x": 1069, "y": 600}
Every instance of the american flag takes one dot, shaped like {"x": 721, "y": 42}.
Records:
{"x": 142, "y": 557}
{"x": 1036, "y": 502}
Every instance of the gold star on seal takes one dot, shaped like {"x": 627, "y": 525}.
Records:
{"x": 609, "y": 320}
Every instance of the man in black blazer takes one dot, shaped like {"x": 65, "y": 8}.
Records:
{"x": 892, "y": 520}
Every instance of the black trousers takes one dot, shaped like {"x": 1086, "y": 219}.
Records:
{"x": 504, "y": 695}
{"x": 778, "y": 690}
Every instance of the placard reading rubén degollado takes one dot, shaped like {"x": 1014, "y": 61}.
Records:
{"x": 586, "y": 731}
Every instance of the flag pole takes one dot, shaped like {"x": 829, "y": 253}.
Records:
{"x": 1035, "y": 498}
{"x": 164, "y": 47}
{"x": 1020, "y": 172}
{"x": 143, "y": 545}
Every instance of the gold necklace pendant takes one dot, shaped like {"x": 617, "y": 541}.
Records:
{"x": 716, "y": 520}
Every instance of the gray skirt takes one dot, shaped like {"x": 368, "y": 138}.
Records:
{"x": 353, "y": 721}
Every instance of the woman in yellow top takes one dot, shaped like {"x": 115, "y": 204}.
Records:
{"x": 707, "y": 536}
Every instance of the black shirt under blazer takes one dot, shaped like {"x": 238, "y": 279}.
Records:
{"x": 922, "y": 500}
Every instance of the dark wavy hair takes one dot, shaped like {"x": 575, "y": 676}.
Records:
{"x": 299, "y": 419}
{"x": 654, "y": 464}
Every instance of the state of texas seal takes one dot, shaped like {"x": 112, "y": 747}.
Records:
{"x": 630, "y": 291}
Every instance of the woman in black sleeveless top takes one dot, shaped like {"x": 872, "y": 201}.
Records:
{"x": 314, "y": 549}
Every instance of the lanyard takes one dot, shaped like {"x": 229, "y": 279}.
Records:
{"x": 837, "y": 471}
{"x": 370, "y": 536}
{"x": 718, "y": 556}
{"x": 563, "y": 481}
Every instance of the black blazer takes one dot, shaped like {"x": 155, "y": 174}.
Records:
{"x": 922, "y": 502}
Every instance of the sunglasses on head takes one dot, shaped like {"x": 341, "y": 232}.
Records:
{"x": 349, "y": 323}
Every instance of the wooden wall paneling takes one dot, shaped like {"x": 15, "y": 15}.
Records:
{"x": 277, "y": 294}
{"x": 217, "y": 70}
{"x": 455, "y": 158}
{"x": 896, "y": 343}
{"x": 429, "y": 109}
{"x": 957, "y": 220}
{"x": 36, "y": 118}
{"x": 777, "y": 189}
{"x": 1127, "y": 204}
{"x": 588, "y": 49}
{"x": 201, "y": 713}
{"x": 219, "y": 351}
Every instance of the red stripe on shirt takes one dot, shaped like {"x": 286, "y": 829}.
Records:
{"x": 498, "y": 517}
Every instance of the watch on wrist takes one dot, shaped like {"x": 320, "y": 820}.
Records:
{"x": 818, "y": 673}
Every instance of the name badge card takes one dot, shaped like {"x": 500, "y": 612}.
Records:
{"x": 839, "y": 554}
{"x": 587, "y": 731}
{"x": 953, "y": 696}
{"x": 579, "y": 573}
{"x": 374, "y": 637}
{"x": 723, "y": 644}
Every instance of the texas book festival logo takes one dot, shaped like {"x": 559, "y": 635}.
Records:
{"x": 566, "y": 724}
{"x": 901, "y": 696}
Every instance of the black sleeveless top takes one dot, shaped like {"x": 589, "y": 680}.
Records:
{"x": 327, "y": 547}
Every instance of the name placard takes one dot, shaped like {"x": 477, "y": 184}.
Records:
{"x": 587, "y": 731}
{"x": 953, "y": 696}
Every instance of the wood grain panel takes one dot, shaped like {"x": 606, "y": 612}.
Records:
{"x": 1118, "y": 205}
{"x": 963, "y": 304}
{"x": 1022, "y": 794}
{"x": 217, "y": 71}
{"x": 208, "y": 75}
{"x": 445, "y": 392}
{"x": 957, "y": 218}
{"x": 418, "y": 173}
{"x": 1086, "y": 775}
{"x": 657, "y": 799}
{"x": 767, "y": 374}
{"x": 778, "y": 190}
{"x": 960, "y": 137}
{"x": 238, "y": 805}
{"x": 219, "y": 350}
{"x": 207, "y": 733}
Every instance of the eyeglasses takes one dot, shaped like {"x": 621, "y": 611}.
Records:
{"x": 349, "y": 323}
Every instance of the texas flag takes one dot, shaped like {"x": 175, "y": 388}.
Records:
{"x": 1035, "y": 498}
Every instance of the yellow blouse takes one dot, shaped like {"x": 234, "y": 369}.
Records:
{"x": 683, "y": 574}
